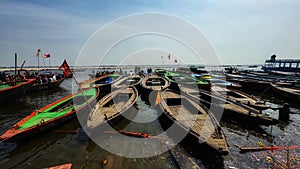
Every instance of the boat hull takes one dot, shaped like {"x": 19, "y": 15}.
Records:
{"x": 45, "y": 86}
{"x": 230, "y": 111}
{"x": 15, "y": 92}
{"x": 293, "y": 97}
{"x": 199, "y": 146}
{"x": 192, "y": 123}
{"x": 15, "y": 134}
{"x": 110, "y": 112}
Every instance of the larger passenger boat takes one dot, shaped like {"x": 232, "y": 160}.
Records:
{"x": 285, "y": 65}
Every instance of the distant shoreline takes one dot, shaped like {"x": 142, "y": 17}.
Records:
{"x": 124, "y": 66}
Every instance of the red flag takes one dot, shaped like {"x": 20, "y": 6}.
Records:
{"x": 169, "y": 56}
{"x": 66, "y": 67}
{"x": 47, "y": 55}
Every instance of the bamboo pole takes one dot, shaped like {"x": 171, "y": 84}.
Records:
{"x": 248, "y": 149}
{"x": 16, "y": 64}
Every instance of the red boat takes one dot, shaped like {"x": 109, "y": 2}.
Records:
{"x": 52, "y": 115}
{"x": 10, "y": 91}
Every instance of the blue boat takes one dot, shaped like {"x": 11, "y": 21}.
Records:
{"x": 284, "y": 65}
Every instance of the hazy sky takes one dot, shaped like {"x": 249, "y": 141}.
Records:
{"x": 241, "y": 31}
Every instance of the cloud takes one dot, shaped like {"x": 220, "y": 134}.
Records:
{"x": 241, "y": 31}
{"x": 30, "y": 26}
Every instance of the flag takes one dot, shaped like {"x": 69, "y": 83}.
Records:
{"x": 169, "y": 56}
{"x": 158, "y": 98}
{"x": 66, "y": 68}
{"x": 175, "y": 60}
{"x": 47, "y": 55}
{"x": 38, "y": 53}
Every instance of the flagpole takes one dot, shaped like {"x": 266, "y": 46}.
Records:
{"x": 77, "y": 83}
{"x": 81, "y": 91}
{"x": 38, "y": 62}
{"x": 43, "y": 59}
{"x": 16, "y": 64}
{"x": 169, "y": 63}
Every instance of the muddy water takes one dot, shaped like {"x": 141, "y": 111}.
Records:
{"x": 65, "y": 145}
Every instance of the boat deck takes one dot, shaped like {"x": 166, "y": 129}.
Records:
{"x": 127, "y": 81}
{"x": 231, "y": 108}
{"x": 112, "y": 105}
{"x": 154, "y": 82}
{"x": 194, "y": 118}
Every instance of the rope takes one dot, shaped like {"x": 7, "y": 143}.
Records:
{"x": 66, "y": 106}
{"x": 265, "y": 91}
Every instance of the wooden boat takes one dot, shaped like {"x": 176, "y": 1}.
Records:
{"x": 113, "y": 107}
{"x": 228, "y": 109}
{"x": 289, "y": 91}
{"x": 125, "y": 81}
{"x": 10, "y": 91}
{"x": 252, "y": 84}
{"x": 217, "y": 81}
{"x": 44, "y": 86}
{"x": 155, "y": 82}
{"x": 63, "y": 166}
{"x": 178, "y": 78}
{"x": 282, "y": 73}
{"x": 238, "y": 96}
{"x": 193, "y": 120}
{"x": 52, "y": 115}
{"x": 103, "y": 82}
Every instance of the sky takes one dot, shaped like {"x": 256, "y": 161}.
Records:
{"x": 87, "y": 32}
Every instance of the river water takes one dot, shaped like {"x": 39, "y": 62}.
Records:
{"x": 65, "y": 145}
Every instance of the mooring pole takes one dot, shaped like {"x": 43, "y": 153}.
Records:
{"x": 16, "y": 63}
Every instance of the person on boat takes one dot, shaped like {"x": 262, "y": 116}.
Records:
{"x": 58, "y": 76}
{"x": 38, "y": 79}
{"x": 149, "y": 71}
{"x": 8, "y": 79}
{"x": 2, "y": 77}
{"x": 45, "y": 79}
{"x": 97, "y": 74}
{"x": 53, "y": 77}
{"x": 50, "y": 79}
{"x": 131, "y": 73}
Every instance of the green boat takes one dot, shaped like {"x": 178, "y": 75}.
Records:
{"x": 186, "y": 80}
{"x": 10, "y": 91}
{"x": 52, "y": 115}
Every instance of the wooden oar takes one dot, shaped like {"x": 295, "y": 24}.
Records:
{"x": 136, "y": 134}
{"x": 248, "y": 149}
{"x": 128, "y": 133}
